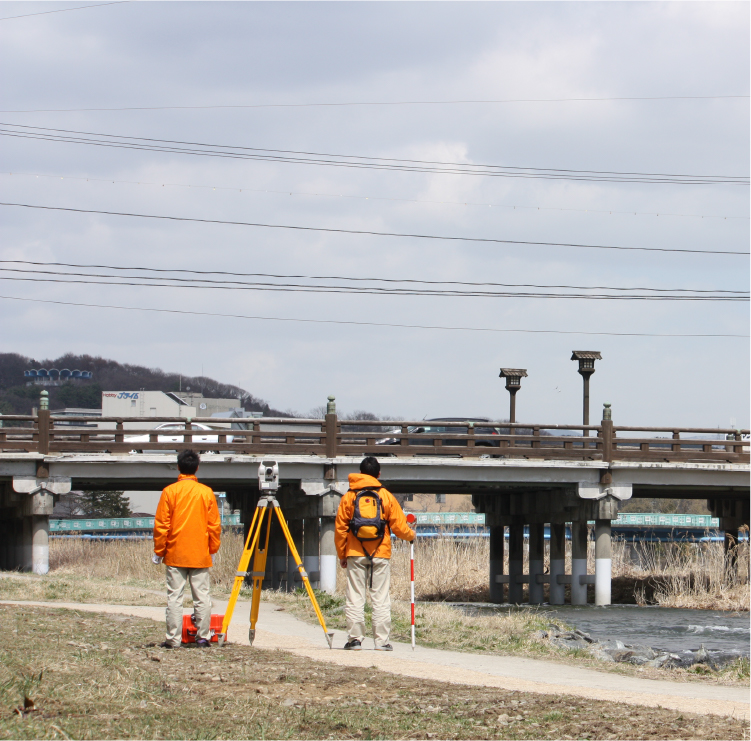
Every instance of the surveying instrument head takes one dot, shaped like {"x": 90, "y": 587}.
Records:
{"x": 268, "y": 477}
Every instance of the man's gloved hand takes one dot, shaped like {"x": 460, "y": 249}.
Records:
{"x": 156, "y": 559}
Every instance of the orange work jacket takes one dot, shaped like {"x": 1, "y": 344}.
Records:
{"x": 187, "y": 528}
{"x": 346, "y": 543}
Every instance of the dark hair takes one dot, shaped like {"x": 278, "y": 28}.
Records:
{"x": 371, "y": 467}
{"x": 187, "y": 462}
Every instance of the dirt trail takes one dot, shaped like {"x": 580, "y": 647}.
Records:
{"x": 280, "y": 630}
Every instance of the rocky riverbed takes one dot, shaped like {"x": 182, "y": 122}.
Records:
{"x": 613, "y": 650}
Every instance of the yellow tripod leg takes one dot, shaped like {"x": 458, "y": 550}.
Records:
{"x": 242, "y": 567}
{"x": 259, "y": 570}
{"x": 303, "y": 573}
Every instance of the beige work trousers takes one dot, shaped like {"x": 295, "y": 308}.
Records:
{"x": 199, "y": 588}
{"x": 358, "y": 586}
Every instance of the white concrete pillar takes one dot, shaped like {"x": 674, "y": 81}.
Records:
{"x": 311, "y": 537}
{"x": 603, "y": 563}
{"x": 40, "y": 544}
{"x": 557, "y": 562}
{"x": 578, "y": 561}
{"x": 328, "y": 556}
{"x": 497, "y": 545}
{"x": 515, "y": 562}
{"x": 24, "y": 540}
{"x": 536, "y": 561}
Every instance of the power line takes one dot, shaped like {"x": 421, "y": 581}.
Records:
{"x": 354, "y": 279}
{"x": 361, "y": 324}
{"x": 63, "y": 10}
{"x": 373, "y": 198}
{"x": 356, "y": 161}
{"x": 374, "y": 233}
{"x": 378, "y": 103}
{"x": 350, "y": 290}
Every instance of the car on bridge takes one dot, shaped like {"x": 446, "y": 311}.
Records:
{"x": 482, "y": 426}
{"x": 169, "y": 433}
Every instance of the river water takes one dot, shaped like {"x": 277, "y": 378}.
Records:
{"x": 670, "y": 629}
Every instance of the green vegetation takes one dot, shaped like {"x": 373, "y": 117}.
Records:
{"x": 18, "y": 398}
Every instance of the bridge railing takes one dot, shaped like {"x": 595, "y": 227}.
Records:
{"x": 331, "y": 436}
{"x": 680, "y": 444}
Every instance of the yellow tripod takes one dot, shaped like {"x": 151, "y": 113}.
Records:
{"x": 253, "y": 547}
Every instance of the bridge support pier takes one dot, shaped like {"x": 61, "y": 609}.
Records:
{"x": 276, "y": 560}
{"x": 328, "y": 556}
{"x": 40, "y": 544}
{"x": 579, "y": 537}
{"x": 515, "y": 562}
{"x": 557, "y": 562}
{"x": 536, "y": 562}
{"x": 497, "y": 547}
{"x": 603, "y": 563}
{"x": 293, "y": 575}
{"x": 311, "y": 537}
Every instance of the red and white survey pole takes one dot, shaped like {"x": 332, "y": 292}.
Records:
{"x": 411, "y": 519}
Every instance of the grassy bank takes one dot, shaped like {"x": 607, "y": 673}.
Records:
{"x": 100, "y": 676}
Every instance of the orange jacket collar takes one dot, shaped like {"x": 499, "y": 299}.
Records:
{"x": 187, "y": 476}
{"x": 363, "y": 481}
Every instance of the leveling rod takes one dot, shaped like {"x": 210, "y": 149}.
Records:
{"x": 267, "y": 503}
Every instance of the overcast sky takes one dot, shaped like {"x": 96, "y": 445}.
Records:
{"x": 150, "y": 54}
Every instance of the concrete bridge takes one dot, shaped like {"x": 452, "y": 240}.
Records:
{"x": 518, "y": 474}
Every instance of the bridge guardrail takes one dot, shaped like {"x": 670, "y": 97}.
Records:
{"x": 331, "y": 437}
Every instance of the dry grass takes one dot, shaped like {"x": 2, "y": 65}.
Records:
{"x": 130, "y": 560}
{"x": 697, "y": 575}
{"x": 101, "y": 677}
{"x": 74, "y": 588}
{"x": 693, "y": 575}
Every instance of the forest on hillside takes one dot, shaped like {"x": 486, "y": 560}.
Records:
{"x": 16, "y": 397}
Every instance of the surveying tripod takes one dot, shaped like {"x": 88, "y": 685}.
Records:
{"x": 258, "y": 548}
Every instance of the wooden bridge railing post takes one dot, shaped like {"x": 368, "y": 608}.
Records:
{"x": 607, "y": 433}
{"x": 43, "y": 424}
{"x": 119, "y": 428}
{"x": 331, "y": 428}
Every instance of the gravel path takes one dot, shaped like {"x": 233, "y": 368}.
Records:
{"x": 280, "y": 630}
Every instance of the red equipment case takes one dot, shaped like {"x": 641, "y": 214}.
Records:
{"x": 190, "y": 631}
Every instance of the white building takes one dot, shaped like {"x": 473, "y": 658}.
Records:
{"x": 146, "y": 404}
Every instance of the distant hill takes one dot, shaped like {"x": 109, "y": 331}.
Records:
{"x": 18, "y": 398}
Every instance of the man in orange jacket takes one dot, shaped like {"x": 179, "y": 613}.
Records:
{"x": 364, "y": 550}
{"x": 187, "y": 532}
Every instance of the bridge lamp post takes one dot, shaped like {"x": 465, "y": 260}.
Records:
{"x": 586, "y": 360}
{"x": 513, "y": 378}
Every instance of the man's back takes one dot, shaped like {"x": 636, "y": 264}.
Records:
{"x": 187, "y": 528}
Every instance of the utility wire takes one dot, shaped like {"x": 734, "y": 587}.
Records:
{"x": 351, "y": 278}
{"x": 378, "y": 103}
{"x": 361, "y": 324}
{"x": 63, "y": 10}
{"x": 356, "y": 290}
{"x": 373, "y": 233}
{"x": 374, "y": 198}
{"x": 355, "y": 161}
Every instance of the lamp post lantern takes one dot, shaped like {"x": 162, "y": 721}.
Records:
{"x": 513, "y": 378}
{"x": 586, "y": 360}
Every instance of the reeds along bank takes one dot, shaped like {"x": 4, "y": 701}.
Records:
{"x": 701, "y": 574}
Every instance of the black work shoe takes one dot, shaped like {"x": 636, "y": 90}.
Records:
{"x": 164, "y": 644}
{"x": 202, "y": 643}
{"x": 353, "y": 645}
{"x": 385, "y": 647}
